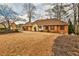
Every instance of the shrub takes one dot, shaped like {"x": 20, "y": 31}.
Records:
{"x": 70, "y": 28}
{"x": 16, "y": 30}
{"x": 6, "y": 31}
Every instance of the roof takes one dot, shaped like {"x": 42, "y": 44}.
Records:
{"x": 2, "y": 26}
{"x": 47, "y": 22}
{"x": 28, "y": 24}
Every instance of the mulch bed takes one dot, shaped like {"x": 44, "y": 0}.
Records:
{"x": 67, "y": 45}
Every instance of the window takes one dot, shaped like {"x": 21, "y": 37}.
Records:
{"x": 52, "y": 27}
{"x": 40, "y": 28}
{"x": 62, "y": 27}
{"x": 46, "y": 27}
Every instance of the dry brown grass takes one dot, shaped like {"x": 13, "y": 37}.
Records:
{"x": 27, "y": 43}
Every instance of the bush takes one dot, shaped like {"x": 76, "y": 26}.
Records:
{"x": 16, "y": 30}
{"x": 2, "y": 29}
{"x": 6, "y": 31}
{"x": 70, "y": 28}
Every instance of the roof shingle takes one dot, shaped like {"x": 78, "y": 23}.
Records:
{"x": 47, "y": 22}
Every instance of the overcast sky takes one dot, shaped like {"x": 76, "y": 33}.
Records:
{"x": 40, "y": 10}
{"x": 18, "y": 7}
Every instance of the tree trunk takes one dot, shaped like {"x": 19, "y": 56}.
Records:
{"x": 59, "y": 11}
{"x": 29, "y": 19}
{"x": 8, "y": 22}
{"x": 30, "y": 16}
{"x": 29, "y": 12}
{"x": 75, "y": 21}
{"x": 78, "y": 20}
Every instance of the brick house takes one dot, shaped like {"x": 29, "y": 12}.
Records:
{"x": 47, "y": 25}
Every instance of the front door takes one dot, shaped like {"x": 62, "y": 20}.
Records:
{"x": 34, "y": 28}
{"x": 47, "y": 28}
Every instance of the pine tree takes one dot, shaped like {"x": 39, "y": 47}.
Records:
{"x": 70, "y": 27}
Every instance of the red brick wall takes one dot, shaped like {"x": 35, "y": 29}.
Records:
{"x": 58, "y": 30}
{"x": 54, "y": 30}
{"x": 27, "y": 28}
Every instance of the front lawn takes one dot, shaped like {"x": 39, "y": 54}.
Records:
{"x": 27, "y": 43}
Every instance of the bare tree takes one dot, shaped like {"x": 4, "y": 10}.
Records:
{"x": 77, "y": 26}
{"x": 49, "y": 13}
{"x": 75, "y": 17}
{"x": 7, "y": 13}
{"x": 78, "y": 12}
{"x": 62, "y": 12}
{"x": 58, "y": 10}
{"x": 29, "y": 8}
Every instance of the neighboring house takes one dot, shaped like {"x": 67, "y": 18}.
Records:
{"x": 47, "y": 25}
{"x": 13, "y": 26}
{"x": 4, "y": 26}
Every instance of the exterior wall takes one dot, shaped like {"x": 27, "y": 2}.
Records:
{"x": 63, "y": 31}
{"x": 66, "y": 29}
{"x": 27, "y": 28}
{"x": 13, "y": 26}
{"x": 58, "y": 30}
{"x": 44, "y": 29}
{"x": 49, "y": 29}
{"x": 55, "y": 30}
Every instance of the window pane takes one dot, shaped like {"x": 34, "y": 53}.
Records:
{"x": 62, "y": 27}
{"x": 52, "y": 27}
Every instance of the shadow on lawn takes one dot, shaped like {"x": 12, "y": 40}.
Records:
{"x": 66, "y": 46}
{"x": 9, "y": 32}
